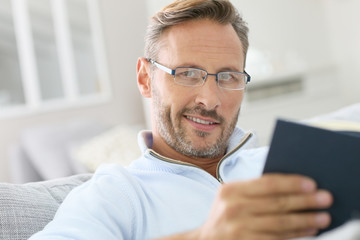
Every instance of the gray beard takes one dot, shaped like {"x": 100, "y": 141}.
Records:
{"x": 175, "y": 136}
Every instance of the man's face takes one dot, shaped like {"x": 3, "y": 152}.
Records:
{"x": 196, "y": 121}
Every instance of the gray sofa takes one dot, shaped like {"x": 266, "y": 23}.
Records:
{"x": 26, "y": 208}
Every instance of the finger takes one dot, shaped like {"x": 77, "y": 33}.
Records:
{"x": 286, "y": 223}
{"x": 299, "y": 234}
{"x": 286, "y": 226}
{"x": 283, "y": 203}
{"x": 277, "y": 236}
{"x": 293, "y": 234}
{"x": 271, "y": 184}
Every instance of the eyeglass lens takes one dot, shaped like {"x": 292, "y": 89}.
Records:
{"x": 197, "y": 77}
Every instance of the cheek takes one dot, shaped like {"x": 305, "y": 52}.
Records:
{"x": 170, "y": 96}
{"x": 232, "y": 104}
{"x": 177, "y": 102}
{"x": 178, "y": 97}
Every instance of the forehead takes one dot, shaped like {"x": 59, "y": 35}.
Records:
{"x": 201, "y": 41}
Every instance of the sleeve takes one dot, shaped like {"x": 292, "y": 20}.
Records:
{"x": 106, "y": 207}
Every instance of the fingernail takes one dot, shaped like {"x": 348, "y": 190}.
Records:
{"x": 322, "y": 219}
{"x": 308, "y": 185}
{"x": 322, "y": 198}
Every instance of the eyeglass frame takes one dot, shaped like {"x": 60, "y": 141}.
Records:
{"x": 172, "y": 72}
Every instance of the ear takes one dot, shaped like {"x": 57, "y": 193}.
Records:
{"x": 144, "y": 77}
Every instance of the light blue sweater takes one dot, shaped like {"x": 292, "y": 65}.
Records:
{"x": 153, "y": 197}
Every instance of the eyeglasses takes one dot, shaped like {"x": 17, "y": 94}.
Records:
{"x": 192, "y": 77}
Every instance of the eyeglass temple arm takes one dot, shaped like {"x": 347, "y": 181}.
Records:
{"x": 248, "y": 77}
{"x": 168, "y": 70}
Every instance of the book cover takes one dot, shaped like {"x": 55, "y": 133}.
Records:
{"x": 330, "y": 157}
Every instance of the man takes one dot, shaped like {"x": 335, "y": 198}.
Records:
{"x": 187, "y": 183}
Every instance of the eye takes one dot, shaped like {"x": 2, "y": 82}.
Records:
{"x": 228, "y": 76}
{"x": 188, "y": 73}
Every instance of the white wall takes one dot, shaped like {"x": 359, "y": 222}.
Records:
{"x": 282, "y": 27}
{"x": 325, "y": 36}
{"x": 123, "y": 27}
{"x": 342, "y": 20}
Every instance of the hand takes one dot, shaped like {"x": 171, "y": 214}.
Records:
{"x": 270, "y": 207}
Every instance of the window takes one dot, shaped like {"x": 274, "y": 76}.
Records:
{"x": 51, "y": 55}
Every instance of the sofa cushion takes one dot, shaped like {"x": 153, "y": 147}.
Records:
{"x": 26, "y": 208}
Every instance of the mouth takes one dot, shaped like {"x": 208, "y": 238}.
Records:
{"x": 201, "y": 121}
{"x": 202, "y": 124}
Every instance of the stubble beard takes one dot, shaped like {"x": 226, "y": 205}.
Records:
{"x": 174, "y": 134}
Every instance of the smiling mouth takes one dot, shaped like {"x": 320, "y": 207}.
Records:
{"x": 197, "y": 120}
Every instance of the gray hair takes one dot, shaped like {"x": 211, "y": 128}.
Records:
{"x": 221, "y": 11}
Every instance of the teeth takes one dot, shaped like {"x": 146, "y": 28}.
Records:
{"x": 199, "y": 120}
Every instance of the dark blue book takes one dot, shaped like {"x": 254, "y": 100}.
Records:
{"x": 331, "y": 158}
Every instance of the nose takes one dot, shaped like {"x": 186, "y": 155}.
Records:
{"x": 208, "y": 95}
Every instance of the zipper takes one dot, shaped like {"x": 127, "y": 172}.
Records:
{"x": 218, "y": 177}
{"x": 170, "y": 160}
{"x": 242, "y": 142}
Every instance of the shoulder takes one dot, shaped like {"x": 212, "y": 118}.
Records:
{"x": 111, "y": 182}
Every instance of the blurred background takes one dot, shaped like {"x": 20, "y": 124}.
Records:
{"x": 68, "y": 93}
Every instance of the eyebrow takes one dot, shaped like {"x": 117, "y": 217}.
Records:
{"x": 191, "y": 65}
